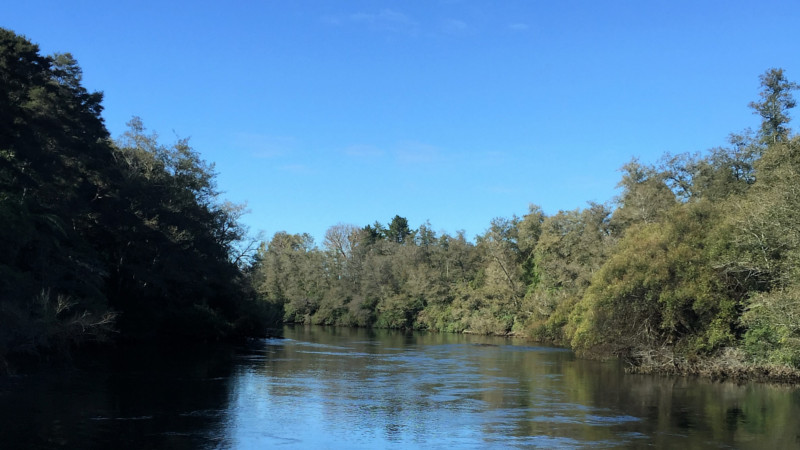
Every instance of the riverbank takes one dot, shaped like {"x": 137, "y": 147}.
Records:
{"x": 728, "y": 365}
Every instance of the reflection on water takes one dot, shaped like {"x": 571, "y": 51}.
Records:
{"x": 138, "y": 398}
{"x": 344, "y": 388}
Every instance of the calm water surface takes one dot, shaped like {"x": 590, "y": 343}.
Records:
{"x": 342, "y": 388}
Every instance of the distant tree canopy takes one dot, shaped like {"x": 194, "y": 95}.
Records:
{"x": 101, "y": 237}
{"x": 698, "y": 257}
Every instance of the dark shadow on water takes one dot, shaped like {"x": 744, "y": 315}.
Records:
{"x": 133, "y": 396}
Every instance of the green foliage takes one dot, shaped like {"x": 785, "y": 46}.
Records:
{"x": 570, "y": 248}
{"x": 99, "y": 236}
{"x": 773, "y": 321}
{"x": 645, "y": 197}
{"x": 723, "y": 173}
{"x": 764, "y": 235}
{"x": 658, "y": 289}
{"x": 765, "y": 246}
{"x": 54, "y": 152}
{"x": 289, "y": 272}
{"x": 776, "y": 100}
{"x": 398, "y": 230}
{"x": 397, "y": 311}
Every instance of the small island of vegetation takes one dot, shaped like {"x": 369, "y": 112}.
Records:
{"x": 693, "y": 269}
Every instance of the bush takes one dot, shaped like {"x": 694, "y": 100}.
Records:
{"x": 773, "y": 322}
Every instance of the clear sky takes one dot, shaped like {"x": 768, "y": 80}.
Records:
{"x": 320, "y": 112}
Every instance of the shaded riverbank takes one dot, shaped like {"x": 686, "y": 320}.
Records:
{"x": 728, "y": 365}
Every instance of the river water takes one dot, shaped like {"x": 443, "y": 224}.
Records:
{"x": 352, "y": 388}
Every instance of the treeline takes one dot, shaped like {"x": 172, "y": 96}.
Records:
{"x": 694, "y": 266}
{"x": 102, "y": 239}
{"x": 692, "y": 269}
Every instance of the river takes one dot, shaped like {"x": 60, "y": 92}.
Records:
{"x": 321, "y": 387}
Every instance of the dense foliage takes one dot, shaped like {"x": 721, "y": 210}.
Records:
{"x": 99, "y": 237}
{"x": 695, "y": 263}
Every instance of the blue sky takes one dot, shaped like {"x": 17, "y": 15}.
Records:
{"x": 456, "y": 112}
